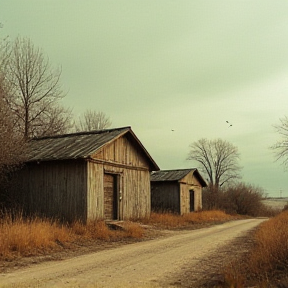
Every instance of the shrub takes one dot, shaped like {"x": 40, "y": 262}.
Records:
{"x": 243, "y": 199}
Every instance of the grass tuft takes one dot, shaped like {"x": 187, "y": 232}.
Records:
{"x": 133, "y": 230}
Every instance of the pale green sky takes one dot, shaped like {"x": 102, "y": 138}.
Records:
{"x": 158, "y": 65}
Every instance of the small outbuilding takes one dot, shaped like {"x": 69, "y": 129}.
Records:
{"x": 177, "y": 191}
{"x": 101, "y": 174}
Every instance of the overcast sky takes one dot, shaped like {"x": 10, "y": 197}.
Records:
{"x": 162, "y": 65}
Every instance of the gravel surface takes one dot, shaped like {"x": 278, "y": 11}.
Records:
{"x": 182, "y": 259}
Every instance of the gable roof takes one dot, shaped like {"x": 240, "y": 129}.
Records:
{"x": 78, "y": 145}
{"x": 176, "y": 175}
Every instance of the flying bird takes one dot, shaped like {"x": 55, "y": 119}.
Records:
{"x": 228, "y": 123}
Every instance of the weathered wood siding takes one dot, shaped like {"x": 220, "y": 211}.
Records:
{"x": 136, "y": 200}
{"x": 95, "y": 191}
{"x": 122, "y": 151}
{"x": 188, "y": 183}
{"x": 165, "y": 197}
{"x": 54, "y": 189}
{"x": 122, "y": 159}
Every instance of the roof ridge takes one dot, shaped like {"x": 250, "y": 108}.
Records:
{"x": 100, "y": 131}
{"x": 182, "y": 169}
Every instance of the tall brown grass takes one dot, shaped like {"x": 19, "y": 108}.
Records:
{"x": 189, "y": 220}
{"x": 99, "y": 230}
{"x": 268, "y": 259}
{"x": 20, "y": 236}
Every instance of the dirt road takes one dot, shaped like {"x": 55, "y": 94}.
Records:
{"x": 146, "y": 264}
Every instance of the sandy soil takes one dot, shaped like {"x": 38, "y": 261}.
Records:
{"x": 165, "y": 262}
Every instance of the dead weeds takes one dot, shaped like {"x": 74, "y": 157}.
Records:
{"x": 30, "y": 241}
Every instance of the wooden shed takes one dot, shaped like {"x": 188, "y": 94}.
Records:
{"x": 177, "y": 191}
{"x": 101, "y": 174}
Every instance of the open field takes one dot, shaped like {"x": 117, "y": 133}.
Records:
{"x": 277, "y": 203}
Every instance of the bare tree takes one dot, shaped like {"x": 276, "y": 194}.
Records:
{"x": 281, "y": 147}
{"x": 4, "y": 54}
{"x": 35, "y": 91}
{"x": 11, "y": 143}
{"x": 218, "y": 160}
{"x": 93, "y": 120}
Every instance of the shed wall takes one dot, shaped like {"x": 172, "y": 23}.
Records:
{"x": 134, "y": 189}
{"x": 122, "y": 151}
{"x": 190, "y": 182}
{"x": 136, "y": 194}
{"x": 165, "y": 197}
{"x": 54, "y": 189}
{"x": 124, "y": 159}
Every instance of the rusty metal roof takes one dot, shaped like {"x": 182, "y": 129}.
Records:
{"x": 77, "y": 145}
{"x": 175, "y": 175}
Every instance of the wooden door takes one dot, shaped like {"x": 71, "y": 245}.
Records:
{"x": 191, "y": 192}
{"x": 110, "y": 197}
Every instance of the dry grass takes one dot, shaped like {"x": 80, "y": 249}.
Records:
{"x": 268, "y": 259}
{"x": 92, "y": 230}
{"x": 133, "y": 230}
{"x": 99, "y": 230}
{"x": 20, "y": 236}
{"x": 208, "y": 217}
{"x": 190, "y": 220}
{"x": 28, "y": 237}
